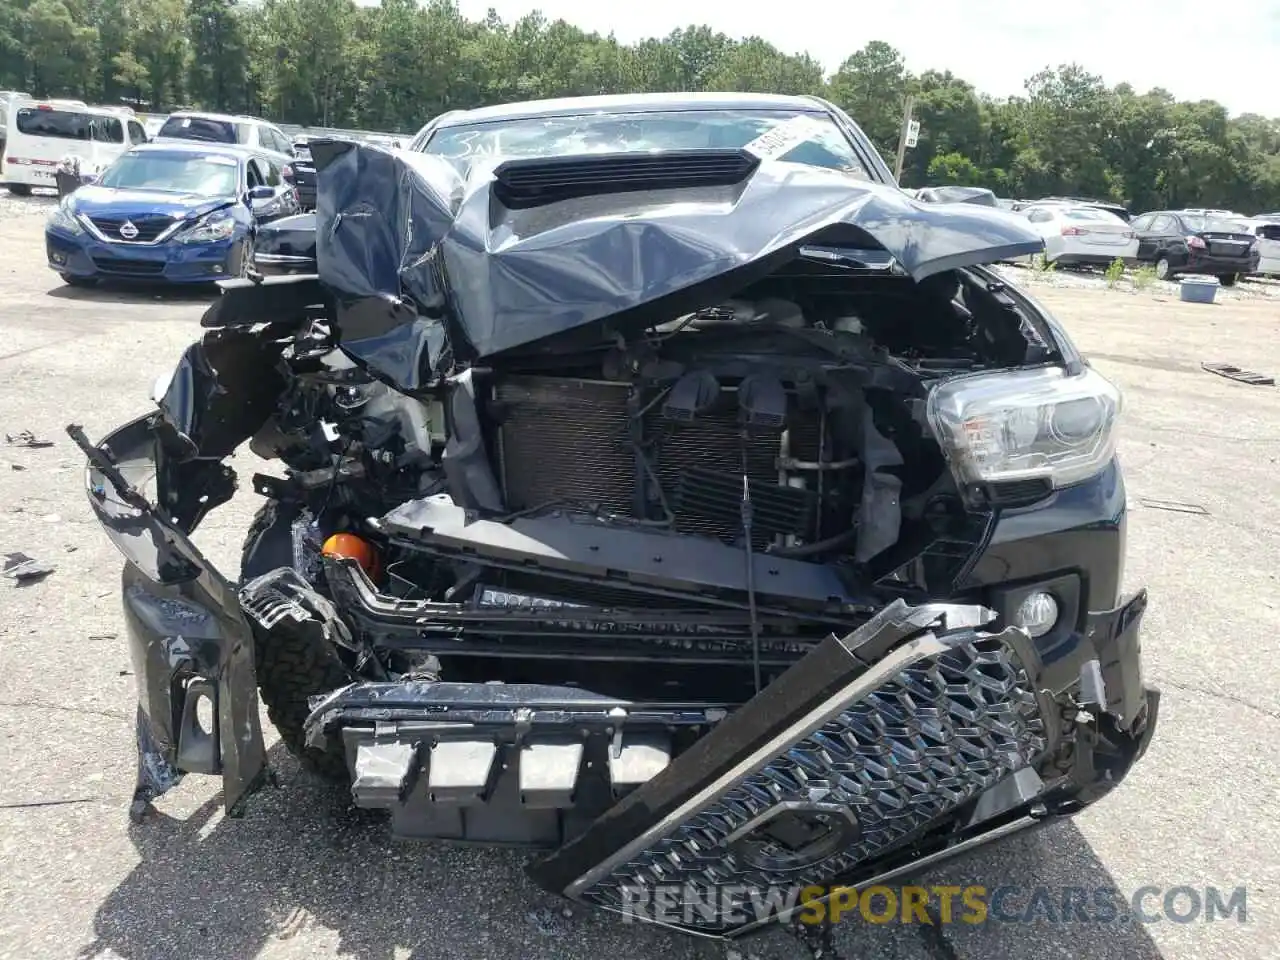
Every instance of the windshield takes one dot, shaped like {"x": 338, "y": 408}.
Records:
{"x": 205, "y": 128}
{"x": 173, "y": 173}
{"x": 69, "y": 125}
{"x": 807, "y": 138}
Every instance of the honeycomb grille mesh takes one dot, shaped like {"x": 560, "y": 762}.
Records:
{"x": 924, "y": 742}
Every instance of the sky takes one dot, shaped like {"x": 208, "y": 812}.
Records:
{"x": 1227, "y": 52}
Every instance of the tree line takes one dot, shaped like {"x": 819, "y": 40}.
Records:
{"x": 393, "y": 66}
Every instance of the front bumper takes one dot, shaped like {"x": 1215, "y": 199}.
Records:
{"x": 86, "y": 257}
{"x": 924, "y": 731}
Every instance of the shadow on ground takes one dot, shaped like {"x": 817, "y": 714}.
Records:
{"x": 122, "y": 292}
{"x": 304, "y": 864}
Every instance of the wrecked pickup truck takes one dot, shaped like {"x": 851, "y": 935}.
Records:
{"x": 702, "y": 515}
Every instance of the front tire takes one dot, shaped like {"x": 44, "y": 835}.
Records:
{"x": 19, "y": 189}
{"x": 246, "y": 258}
{"x": 1229, "y": 280}
{"x": 293, "y": 667}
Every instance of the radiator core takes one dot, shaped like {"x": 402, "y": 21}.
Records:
{"x": 567, "y": 442}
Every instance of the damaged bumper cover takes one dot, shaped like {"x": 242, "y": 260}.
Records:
{"x": 924, "y": 731}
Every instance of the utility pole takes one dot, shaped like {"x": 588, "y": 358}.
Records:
{"x": 902, "y": 136}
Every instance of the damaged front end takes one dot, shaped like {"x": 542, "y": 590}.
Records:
{"x": 721, "y": 585}
{"x": 188, "y": 639}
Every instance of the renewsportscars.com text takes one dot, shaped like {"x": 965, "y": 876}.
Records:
{"x": 938, "y": 904}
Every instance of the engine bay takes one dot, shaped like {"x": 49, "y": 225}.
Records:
{"x": 727, "y": 490}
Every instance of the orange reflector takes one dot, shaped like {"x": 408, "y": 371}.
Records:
{"x": 351, "y": 547}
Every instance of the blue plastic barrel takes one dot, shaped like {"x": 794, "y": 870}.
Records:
{"x": 1199, "y": 289}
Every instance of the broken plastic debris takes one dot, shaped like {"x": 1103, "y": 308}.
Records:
{"x": 1174, "y": 506}
{"x": 26, "y": 438}
{"x": 1235, "y": 373}
{"x": 24, "y": 569}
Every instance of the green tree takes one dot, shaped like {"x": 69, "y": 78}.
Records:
{"x": 57, "y": 46}
{"x": 219, "y": 66}
{"x": 871, "y": 86}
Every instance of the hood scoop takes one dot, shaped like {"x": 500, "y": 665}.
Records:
{"x": 521, "y": 184}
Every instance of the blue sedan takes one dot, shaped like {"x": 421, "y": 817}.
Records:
{"x": 177, "y": 212}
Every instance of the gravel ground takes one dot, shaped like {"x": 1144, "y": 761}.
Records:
{"x": 303, "y": 876}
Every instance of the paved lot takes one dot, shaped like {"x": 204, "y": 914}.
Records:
{"x": 302, "y": 876}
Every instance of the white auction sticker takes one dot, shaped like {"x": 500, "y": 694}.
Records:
{"x": 785, "y": 136}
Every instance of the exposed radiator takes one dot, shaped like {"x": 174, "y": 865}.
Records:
{"x": 565, "y": 441}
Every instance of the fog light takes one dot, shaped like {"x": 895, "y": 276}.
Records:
{"x": 58, "y": 258}
{"x": 1037, "y": 614}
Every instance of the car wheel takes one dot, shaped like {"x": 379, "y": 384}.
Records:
{"x": 19, "y": 189}
{"x": 292, "y": 667}
{"x": 1162, "y": 268}
{"x": 1229, "y": 280}
{"x": 78, "y": 281}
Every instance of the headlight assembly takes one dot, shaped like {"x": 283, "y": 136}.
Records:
{"x": 1024, "y": 425}
{"x": 64, "y": 219}
{"x": 216, "y": 226}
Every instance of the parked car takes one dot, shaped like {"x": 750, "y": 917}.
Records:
{"x": 1214, "y": 213}
{"x": 1081, "y": 234}
{"x": 1117, "y": 209}
{"x": 775, "y": 541}
{"x": 5, "y": 97}
{"x": 1177, "y": 242}
{"x": 1267, "y": 233}
{"x": 977, "y": 195}
{"x": 287, "y": 245}
{"x": 42, "y": 134}
{"x": 304, "y": 173}
{"x": 224, "y": 128}
{"x": 177, "y": 211}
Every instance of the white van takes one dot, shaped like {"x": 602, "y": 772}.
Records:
{"x": 41, "y": 133}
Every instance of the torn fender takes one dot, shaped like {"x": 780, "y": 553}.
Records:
{"x": 506, "y": 255}
{"x": 187, "y": 637}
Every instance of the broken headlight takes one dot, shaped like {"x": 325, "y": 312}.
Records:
{"x": 62, "y": 218}
{"x": 219, "y": 225}
{"x": 1026, "y": 425}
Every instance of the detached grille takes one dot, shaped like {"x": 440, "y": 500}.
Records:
{"x": 148, "y": 227}
{"x": 929, "y": 738}
{"x": 529, "y": 183}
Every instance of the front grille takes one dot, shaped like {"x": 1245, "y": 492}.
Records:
{"x": 886, "y": 767}
{"x": 148, "y": 227}
{"x": 129, "y": 268}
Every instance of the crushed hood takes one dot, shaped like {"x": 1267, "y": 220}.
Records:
{"x": 110, "y": 201}
{"x": 493, "y": 256}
